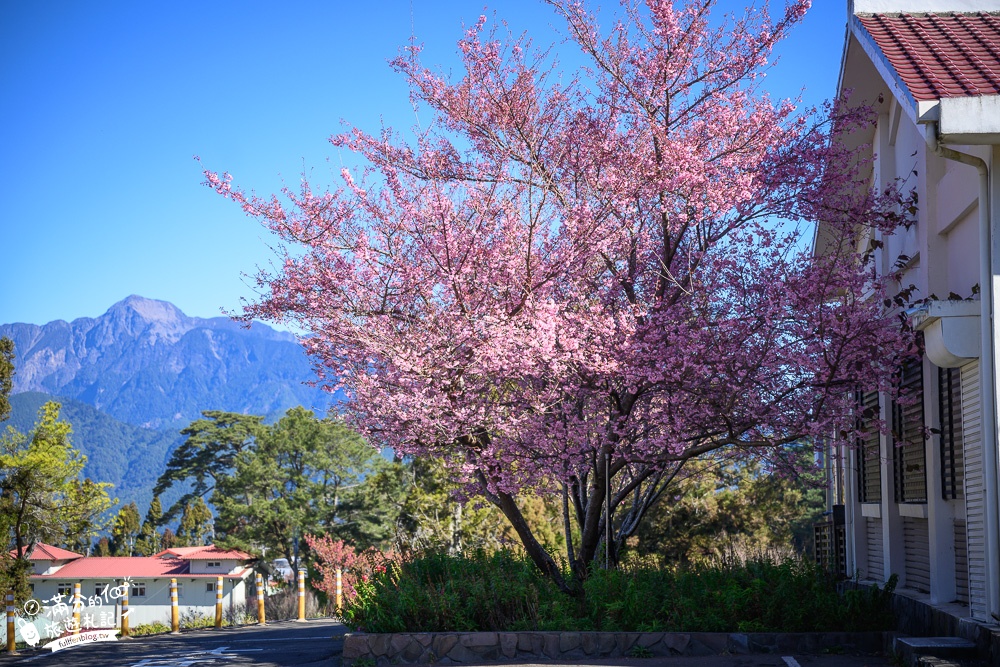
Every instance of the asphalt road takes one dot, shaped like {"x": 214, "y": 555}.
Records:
{"x": 280, "y": 644}
{"x": 319, "y": 642}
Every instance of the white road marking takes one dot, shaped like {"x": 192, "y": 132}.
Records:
{"x": 790, "y": 661}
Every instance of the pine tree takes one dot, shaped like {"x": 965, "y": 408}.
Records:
{"x": 149, "y": 541}
{"x": 125, "y": 531}
{"x": 196, "y": 524}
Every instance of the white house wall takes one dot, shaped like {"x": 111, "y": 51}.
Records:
{"x": 154, "y": 607}
{"x": 938, "y": 548}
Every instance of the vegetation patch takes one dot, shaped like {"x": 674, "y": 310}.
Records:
{"x": 155, "y": 628}
{"x": 503, "y": 591}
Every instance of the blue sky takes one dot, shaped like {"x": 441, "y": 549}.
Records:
{"x": 103, "y": 105}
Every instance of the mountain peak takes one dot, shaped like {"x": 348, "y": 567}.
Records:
{"x": 147, "y": 363}
{"x": 156, "y": 319}
{"x": 150, "y": 309}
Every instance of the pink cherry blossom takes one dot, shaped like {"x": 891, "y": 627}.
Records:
{"x": 612, "y": 263}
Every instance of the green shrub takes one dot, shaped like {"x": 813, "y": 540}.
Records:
{"x": 479, "y": 591}
{"x": 503, "y": 591}
{"x": 154, "y": 628}
{"x": 192, "y": 619}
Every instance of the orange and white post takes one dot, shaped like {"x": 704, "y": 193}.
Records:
{"x": 340, "y": 591}
{"x": 11, "y": 646}
{"x": 175, "y": 621}
{"x": 218, "y": 603}
{"x": 302, "y": 595}
{"x": 260, "y": 600}
{"x": 125, "y": 610}
{"x": 77, "y": 605}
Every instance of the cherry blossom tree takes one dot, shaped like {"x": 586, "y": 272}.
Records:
{"x": 576, "y": 282}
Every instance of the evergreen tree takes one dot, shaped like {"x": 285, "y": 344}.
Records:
{"x": 125, "y": 530}
{"x": 103, "y": 547}
{"x": 6, "y": 375}
{"x": 195, "y": 525}
{"x": 168, "y": 540}
{"x": 300, "y": 475}
{"x": 42, "y": 497}
{"x": 149, "y": 541}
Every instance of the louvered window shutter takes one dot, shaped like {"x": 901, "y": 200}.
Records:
{"x": 950, "y": 404}
{"x": 868, "y": 454}
{"x": 908, "y": 435}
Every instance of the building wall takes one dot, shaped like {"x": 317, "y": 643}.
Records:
{"x": 193, "y": 598}
{"x": 214, "y": 566}
{"x": 938, "y": 547}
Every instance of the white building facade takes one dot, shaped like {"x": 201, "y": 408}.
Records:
{"x": 927, "y": 508}
{"x": 103, "y": 580}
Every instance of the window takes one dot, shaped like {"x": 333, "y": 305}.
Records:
{"x": 138, "y": 589}
{"x": 869, "y": 455}
{"x": 210, "y": 587}
{"x": 99, "y": 589}
{"x": 214, "y": 563}
{"x": 910, "y": 469}
{"x": 64, "y": 589}
{"x": 952, "y": 461}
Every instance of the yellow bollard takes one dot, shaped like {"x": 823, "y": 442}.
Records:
{"x": 11, "y": 646}
{"x": 175, "y": 622}
{"x": 302, "y": 595}
{"x": 77, "y": 604}
{"x": 260, "y": 600}
{"x": 125, "y": 610}
{"x": 218, "y": 603}
{"x": 340, "y": 591}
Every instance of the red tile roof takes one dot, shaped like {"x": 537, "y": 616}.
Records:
{"x": 113, "y": 567}
{"x": 940, "y": 55}
{"x": 118, "y": 567}
{"x": 210, "y": 552}
{"x": 48, "y": 552}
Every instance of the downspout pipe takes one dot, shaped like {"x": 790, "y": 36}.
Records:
{"x": 987, "y": 367}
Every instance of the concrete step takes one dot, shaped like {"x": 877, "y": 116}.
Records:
{"x": 912, "y": 649}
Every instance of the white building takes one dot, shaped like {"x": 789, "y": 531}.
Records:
{"x": 927, "y": 509}
{"x": 196, "y": 570}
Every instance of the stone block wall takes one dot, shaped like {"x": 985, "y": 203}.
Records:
{"x": 450, "y": 648}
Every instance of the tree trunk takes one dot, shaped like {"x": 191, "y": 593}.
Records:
{"x": 539, "y": 556}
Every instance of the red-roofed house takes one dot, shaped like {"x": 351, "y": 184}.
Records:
{"x": 927, "y": 509}
{"x": 45, "y": 557}
{"x": 196, "y": 569}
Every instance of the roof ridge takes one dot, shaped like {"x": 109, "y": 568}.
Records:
{"x": 899, "y": 14}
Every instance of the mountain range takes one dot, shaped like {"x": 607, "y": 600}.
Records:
{"x": 132, "y": 378}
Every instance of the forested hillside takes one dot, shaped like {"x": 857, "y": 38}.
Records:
{"x": 132, "y": 378}
{"x": 129, "y": 457}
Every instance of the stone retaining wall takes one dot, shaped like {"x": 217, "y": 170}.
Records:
{"x": 450, "y": 648}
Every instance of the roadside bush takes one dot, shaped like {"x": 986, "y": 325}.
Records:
{"x": 240, "y": 614}
{"x": 192, "y": 619}
{"x": 503, "y": 591}
{"x": 477, "y": 591}
{"x": 154, "y": 628}
{"x": 284, "y": 605}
